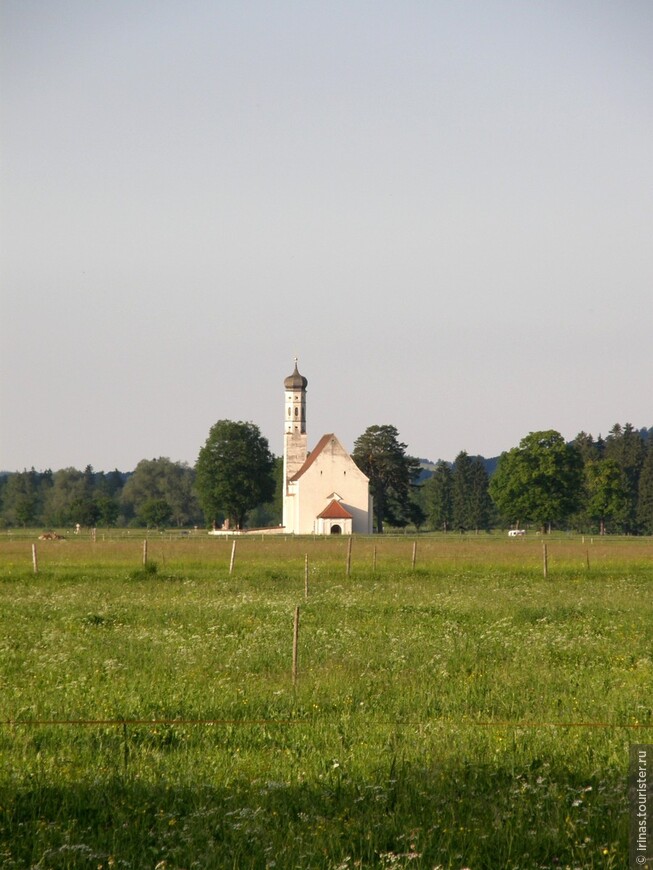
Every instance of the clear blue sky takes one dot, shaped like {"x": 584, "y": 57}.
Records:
{"x": 445, "y": 209}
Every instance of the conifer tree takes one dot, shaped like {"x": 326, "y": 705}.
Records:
{"x": 625, "y": 446}
{"x": 645, "y": 494}
{"x": 382, "y": 457}
{"x": 438, "y": 497}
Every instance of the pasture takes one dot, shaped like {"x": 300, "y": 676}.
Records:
{"x": 462, "y": 713}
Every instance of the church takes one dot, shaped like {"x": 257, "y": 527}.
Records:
{"x": 324, "y": 491}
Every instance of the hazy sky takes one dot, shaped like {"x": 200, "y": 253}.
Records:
{"x": 444, "y": 208}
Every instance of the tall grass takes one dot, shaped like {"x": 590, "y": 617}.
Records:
{"x": 467, "y": 713}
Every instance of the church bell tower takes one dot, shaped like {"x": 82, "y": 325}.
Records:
{"x": 295, "y": 443}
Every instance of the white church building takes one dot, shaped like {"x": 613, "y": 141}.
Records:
{"x": 325, "y": 492}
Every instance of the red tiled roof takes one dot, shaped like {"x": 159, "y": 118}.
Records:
{"x": 335, "y": 511}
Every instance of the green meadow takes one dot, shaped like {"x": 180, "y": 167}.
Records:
{"x": 461, "y": 712}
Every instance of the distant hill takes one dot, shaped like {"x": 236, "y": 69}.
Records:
{"x": 490, "y": 464}
{"x": 428, "y": 467}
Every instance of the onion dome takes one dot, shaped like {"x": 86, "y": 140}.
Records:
{"x": 295, "y": 381}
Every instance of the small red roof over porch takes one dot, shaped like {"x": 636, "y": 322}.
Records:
{"x": 335, "y": 511}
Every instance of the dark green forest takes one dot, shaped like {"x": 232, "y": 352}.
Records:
{"x": 593, "y": 485}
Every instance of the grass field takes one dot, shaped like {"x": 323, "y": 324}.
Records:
{"x": 464, "y": 713}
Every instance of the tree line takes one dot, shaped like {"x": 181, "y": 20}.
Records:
{"x": 157, "y": 493}
{"x": 591, "y": 485}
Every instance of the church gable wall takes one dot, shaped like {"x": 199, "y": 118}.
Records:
{"x": 333, "y": 470}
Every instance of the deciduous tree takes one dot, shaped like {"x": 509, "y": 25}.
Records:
{"x": 155, "y": 512}
{"x": 22, "y": 498}
{"x": 539, "y": 481}
{"x": 234, "y": 471}
{"x": 162, "y": 480}
{"x": 607, "y": 493}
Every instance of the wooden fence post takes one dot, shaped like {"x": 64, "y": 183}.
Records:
{"x": 545, "y": 561}
{"x": 349, "y": 555}
{"x": 145, "y": 552}
{"x": 35, "y": 561}
{"x": 125, "y": 756}
{"x": 233, "y": 557}
{"x": 414, "y": 559}
{"x": 295, "y": 645}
